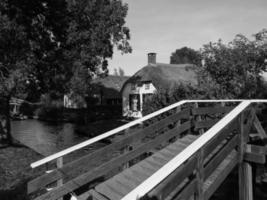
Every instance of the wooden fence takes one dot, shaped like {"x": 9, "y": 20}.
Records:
{"x": 222, "y": 133}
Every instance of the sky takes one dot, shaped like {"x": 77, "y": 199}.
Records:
{"x": 162, "y": 26}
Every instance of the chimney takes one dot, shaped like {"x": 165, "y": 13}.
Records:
{"x": 151, "y": 58}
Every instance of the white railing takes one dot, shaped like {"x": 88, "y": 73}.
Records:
{"x": 162, "y": 173}
{"x": 69, "y": 150}
{"x": 156, "y": 178}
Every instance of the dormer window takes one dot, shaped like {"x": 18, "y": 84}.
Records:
{"x": 147, "y": 86}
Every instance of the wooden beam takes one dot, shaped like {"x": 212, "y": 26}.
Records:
{"x": 193, "y": 148}
{"x": 255, "y": 154}
{"x": 245, "y": 177}
{"x": 244, "y": 169}
{"x": 259, "y": 128}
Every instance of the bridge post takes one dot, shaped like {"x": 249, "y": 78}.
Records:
{"x": 244, "y": 168}
{"x": 199, "y": 192}
{"x": 60, "y": 165}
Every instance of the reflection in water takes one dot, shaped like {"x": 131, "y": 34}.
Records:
{"x": 45, "y": 137}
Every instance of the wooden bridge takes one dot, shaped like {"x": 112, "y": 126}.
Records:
{"x": 183, "y": 151}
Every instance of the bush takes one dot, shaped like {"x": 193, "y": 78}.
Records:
{"x": 165, "y": 98}
{"x": 51, "y": 109}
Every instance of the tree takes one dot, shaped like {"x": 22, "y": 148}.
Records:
{"x": 186, "y": 55}
{"x": 95, "y": 27}
{"x": 163, "y": 98}
{"x": 115, "y": 73}
{"x": 14, "y": 56}
{"x": 234, "y": 69}
{"x": 118, "y": 72}
{"x": 30, "y": 39}
{"x": 121, "y": 72}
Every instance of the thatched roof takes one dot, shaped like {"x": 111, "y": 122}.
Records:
{"x": 110, "y": 85}
{"x": 164, "y": 76}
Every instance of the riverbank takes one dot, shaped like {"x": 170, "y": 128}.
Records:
{"x": 15, "y": 171}
{"x": 96, "y": 128}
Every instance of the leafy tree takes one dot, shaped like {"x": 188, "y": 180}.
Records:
{"x": 51, "y": 46}
{"x": 121, "y": 72}
{"x": 14, "y": 56}
{"x": 163, "y": 98}
{"x": 115, "y": 73}
{"x": 94, "y": 29}
{"x": 30, "y": 49}
{"x": 186, "y": 55}
{"x": 234, "y": 70}
{"x": 118, "y": 72}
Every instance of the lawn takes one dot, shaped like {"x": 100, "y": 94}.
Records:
{"x": 15, "y": 171}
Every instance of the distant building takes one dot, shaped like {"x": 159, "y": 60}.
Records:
{"x": 151, "y": 78}
{"x": 104, "y": 91}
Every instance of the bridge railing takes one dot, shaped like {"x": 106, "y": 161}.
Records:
{"x": 191, "y": 161}
{"x": 58, "y": 174}
{"x": 121, "y": 128}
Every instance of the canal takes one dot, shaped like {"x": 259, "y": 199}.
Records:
{"x": 46, "y": 138}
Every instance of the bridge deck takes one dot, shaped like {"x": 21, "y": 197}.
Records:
{"x": 121, "y": 184}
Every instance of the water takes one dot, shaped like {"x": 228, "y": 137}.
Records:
{"x": 45, "y": 138}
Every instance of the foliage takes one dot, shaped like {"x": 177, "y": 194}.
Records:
{"x": 186, "y": 55}
{"x": 163, "y": 98}
{"x": 234, "y": 70}
{"x": 119, "y": 72}
{"x": 51, "y": 109}
{"x": 57, "y": 46}
{"x": 94, "y": 29}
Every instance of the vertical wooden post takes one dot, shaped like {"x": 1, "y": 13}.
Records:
{"x": 199, "y": 193}
{"x": 125, "y": 150}
{"x": 201, "y": 131}
{"x": 244, "y": 169}
{"x": 60, "y": 165}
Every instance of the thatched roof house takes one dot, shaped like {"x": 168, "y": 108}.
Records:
{"x": 151, "y": 78}
{"x": 165, "y": 75}
{"x": 107, "y": 89}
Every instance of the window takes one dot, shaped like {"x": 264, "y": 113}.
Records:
{"x": 147, "y": 86}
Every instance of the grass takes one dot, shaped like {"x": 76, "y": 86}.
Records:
{"x": 15, "y": 171}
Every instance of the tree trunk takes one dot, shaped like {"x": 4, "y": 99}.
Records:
{"x": 8, "y": 122}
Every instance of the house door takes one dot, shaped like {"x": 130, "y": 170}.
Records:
{"x": 134, "y": 102}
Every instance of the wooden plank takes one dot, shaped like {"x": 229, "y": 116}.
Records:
{"x": 112, "y": 164}
{"x": 59, "y": 166}
{"x": 92, "y": 193}
{"x": 205, "y": 124}
{"x": 259, "y": 128}
{"x": 245, "y": 174}
{"x": 219, "y": 175}
{"x": 242, "y": 138}
{"x": 177, "y": 161}
{"x": 109, "y": 191}
{"x": 213, "y": 164}
{"x": 211, "y": 145}
{"x": 211, "y": 110}
{"x": 199, "y": 195}
{"x": 188, "y": 191}
{"x": 255, "y": 154}
{"x": 173, "y": 180}
{"x": 198, "y": 119}
{"x": 142, "y": 169}
{"x": 105, "y": 135}
{"x": 86, "y": 162}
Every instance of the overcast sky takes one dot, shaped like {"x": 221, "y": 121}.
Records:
{"x": 162, "y": 26}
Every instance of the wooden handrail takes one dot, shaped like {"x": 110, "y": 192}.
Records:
{"x": 126, "y": 126}
{"x": 193, "y": 148}
{"x": 104, "y": 135}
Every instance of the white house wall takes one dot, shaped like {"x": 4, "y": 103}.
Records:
{"x": 139, "y": 90}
